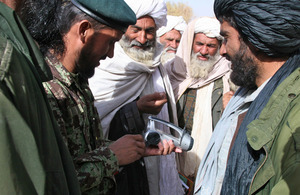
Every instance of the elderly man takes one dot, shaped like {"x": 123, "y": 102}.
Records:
{"x": 132, "y": 85}
{"x": 170, "y": 36}
{"x": 34, "y": 159}
{"x": 200, "y": 77}
{"x": 259, "y": 128}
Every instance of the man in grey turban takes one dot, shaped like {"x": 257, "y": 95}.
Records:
{"x": 262, "y": 40}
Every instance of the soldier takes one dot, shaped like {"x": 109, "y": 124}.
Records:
{"x": 88, "y": 33}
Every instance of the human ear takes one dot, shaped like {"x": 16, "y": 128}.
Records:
{"x": 83, "y": 30}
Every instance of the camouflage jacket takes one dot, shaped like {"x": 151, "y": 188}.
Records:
{"x": 73, "y": 105}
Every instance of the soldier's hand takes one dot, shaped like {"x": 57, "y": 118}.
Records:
{"x": 164, "y": 148}
{"x": 152, "y": 103}
{"x": 128, "y": 148}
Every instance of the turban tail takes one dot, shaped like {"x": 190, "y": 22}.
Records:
{"x": 272, "y": 26}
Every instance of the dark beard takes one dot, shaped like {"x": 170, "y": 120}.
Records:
{"x": 244, "y": 69}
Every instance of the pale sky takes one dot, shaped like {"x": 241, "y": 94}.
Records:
{"x": 200, "y": 7}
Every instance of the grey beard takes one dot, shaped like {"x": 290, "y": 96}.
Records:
{"x": 166, "y": 56}
{"x": 201, "y": 69}
{"x": 139, "y": 55}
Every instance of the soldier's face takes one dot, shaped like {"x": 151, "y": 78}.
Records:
{"x": 99, "y": 46}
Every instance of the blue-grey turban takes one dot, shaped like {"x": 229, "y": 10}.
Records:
{"x": 272, "y": 26}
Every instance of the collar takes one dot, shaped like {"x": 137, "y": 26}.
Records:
{"x": 59, "y": 71}
{"x": 253, "y": 95}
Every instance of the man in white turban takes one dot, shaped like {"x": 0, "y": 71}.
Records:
{"x": 170, "y": 36}
{"x": 131, "y": 86}
{"x": 200, "y": 77}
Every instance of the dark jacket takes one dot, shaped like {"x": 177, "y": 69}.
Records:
{"x": 34, "y": 158}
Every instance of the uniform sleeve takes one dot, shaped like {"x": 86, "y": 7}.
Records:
{"x": 94, "y": 168}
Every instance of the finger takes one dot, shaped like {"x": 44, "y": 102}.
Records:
{"x": 138, "y": 137}
{"x": 158, "y": 96}
{"x": 160, "y": 148}
{"x": 178, "y": 150}
{"x": 171, "y": 145}
{"x": 140, "y": 144}
{"x": 166, "y": 147}
{"x": 160, "y": 102}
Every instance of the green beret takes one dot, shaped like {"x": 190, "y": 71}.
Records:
{"x": 114, "y": 13}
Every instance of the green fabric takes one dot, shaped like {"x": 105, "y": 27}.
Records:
{"x": 277, "y": 130}
{"x": 114, "y": 13}
{"x": 73, "y": 105}
{"x": 34, "y": 159}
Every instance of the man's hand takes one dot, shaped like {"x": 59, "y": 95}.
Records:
{"x": 152, "y": 103}
{"x": 128, "y": 148}
{"x": 167, "y": 147}
{"x": 226, "y": 97}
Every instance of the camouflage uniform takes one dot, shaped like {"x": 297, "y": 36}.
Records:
{"x": 73, "y": 106}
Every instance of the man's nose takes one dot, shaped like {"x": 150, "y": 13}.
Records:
{"x": 142, "y": 38}
{"x": 223, "y": 49}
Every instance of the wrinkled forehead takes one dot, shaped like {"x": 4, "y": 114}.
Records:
{"x": 145, "y": 22}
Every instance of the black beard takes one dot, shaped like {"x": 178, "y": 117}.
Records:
{"x": 244, "y": 69}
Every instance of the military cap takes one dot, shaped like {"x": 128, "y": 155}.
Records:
{"x": 114, "y": 13}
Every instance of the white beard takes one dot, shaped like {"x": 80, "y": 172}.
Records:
{"x": 201, "y": 69}
{"x": 139, "y": 55}
{"x": 166, "y": 56}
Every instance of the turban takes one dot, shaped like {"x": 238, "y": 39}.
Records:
{"x": 157, "y": 9}
{"x": 173, "y": 22}
{"x": 208, "y": 26}
{"x": 272, "y": 26}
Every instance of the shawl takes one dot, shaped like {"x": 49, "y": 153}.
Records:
{"x": 208, "y": 169}
{"x": 178, "y": 68}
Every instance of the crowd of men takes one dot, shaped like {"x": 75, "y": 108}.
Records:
{"x": 80, "y": 78}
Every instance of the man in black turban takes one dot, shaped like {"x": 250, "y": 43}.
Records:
{"x": 260, "y": 126}
{"x": 262, "y": 39}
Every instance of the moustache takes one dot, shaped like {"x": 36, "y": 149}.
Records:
{"x": 170, "y": 48}
{"x": 201, "y": 55}
{"x": 145, "y": 45}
